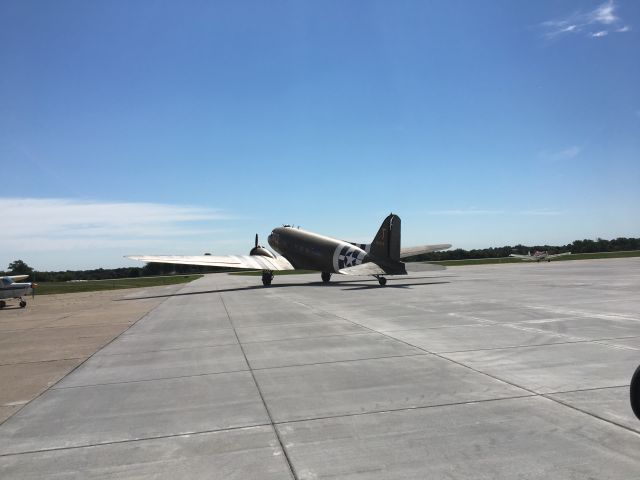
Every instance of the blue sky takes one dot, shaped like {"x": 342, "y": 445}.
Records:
{"x": 185, "y": 127}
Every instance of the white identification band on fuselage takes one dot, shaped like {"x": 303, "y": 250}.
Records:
{"x": 347, "y": 255}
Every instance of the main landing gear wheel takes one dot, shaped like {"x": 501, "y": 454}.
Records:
{"x": 326, "y": 277}
{"x": 3, "y": 304}
{"x": 267, "y": 276}
{"x": 23, "y": 304}
{"x": 634, "y": 392}
{"x": 382, "y": 281}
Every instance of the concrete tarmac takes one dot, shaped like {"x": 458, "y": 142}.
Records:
{"x": 490, "y": 372}
{"x": 43, "y": 342}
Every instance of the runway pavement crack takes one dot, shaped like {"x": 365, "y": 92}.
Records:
{"x": 403, "y": 409}
{"x": 443, "y": 357}
{"x": 134, "y": 440}
{"x": 292, "y": 469}
{"x": 142, "y": 380}
{"x": 158, "y": 350}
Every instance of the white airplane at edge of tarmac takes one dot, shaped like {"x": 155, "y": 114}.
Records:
{"x": 11, "y": 288}
{"x": 539, "y": 256}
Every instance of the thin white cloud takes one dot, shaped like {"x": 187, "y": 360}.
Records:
{"x": 604, "y": 14}
{"x": 596, "y": 23}
{"x": 53, "y": 224}
{"x": 474, "y": 211}
{"x": 568, "y": 153}
{"x": 470, "y": 211}
{"x": 541, "y": 212}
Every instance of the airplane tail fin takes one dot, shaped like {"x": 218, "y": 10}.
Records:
{"x": 386, "y": 244}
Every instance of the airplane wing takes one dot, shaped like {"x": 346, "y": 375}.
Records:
{"x": 411, "y": 251}
{"x": 364, "y": 269}
{"x": 253, "y": 262}
{"x": 559, "y": 255}
{"x": 17, "y": 278}
{"x": 522, "y": 257}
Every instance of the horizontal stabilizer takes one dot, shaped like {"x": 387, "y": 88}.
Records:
{"x": 252, "y": 262}
{"x": 423, "y": 267}
{"x": 364, "y": 269}
{"x": 412, "y": 251}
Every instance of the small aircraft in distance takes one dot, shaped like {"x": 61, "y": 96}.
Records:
{"x": 10, "y": 288}
{"x": 539, "y": 256}
{"x": 299, "y": 249}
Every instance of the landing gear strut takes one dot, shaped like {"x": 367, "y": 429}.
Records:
{"x": 267, "y": 276}
{"x": 326, "y": 277}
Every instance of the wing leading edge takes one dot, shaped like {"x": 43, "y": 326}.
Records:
{"x": 252, "y": 262}
{"x": 523, "y": 257}
{"x": 18, "y": 278}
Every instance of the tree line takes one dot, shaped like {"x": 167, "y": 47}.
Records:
{"x": 577, "y": 246}
{"x": 19, "y": 267}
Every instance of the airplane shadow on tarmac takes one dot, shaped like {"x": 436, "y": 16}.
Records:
{"x": 363, "y": 285}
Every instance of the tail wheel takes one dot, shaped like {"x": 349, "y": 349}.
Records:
{"x": 326, "y": 277}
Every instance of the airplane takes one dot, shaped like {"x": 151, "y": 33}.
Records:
{"x": 298, "y": 249}
{"x": 539, "y": 256}
{"x": 10, "y": 288}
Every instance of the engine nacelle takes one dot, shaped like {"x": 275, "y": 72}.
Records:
{"x": 261, "y": 251}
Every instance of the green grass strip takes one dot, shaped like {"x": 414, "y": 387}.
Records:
{"x": 47, "y": 288}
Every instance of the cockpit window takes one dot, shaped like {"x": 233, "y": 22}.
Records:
{"x": 7, "y": 281}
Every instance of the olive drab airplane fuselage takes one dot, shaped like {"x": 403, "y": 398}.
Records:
{"x": 298, "y": 249}
{"x": 310, "y": 251}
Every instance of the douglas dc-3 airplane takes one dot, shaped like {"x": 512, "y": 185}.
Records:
{"x": 539, "y": 256}
{"x": 299, "y": 249}
{"x": 9, "y": 288}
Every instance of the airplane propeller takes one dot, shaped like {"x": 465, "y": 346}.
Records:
{"x": 260, "y": 250}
